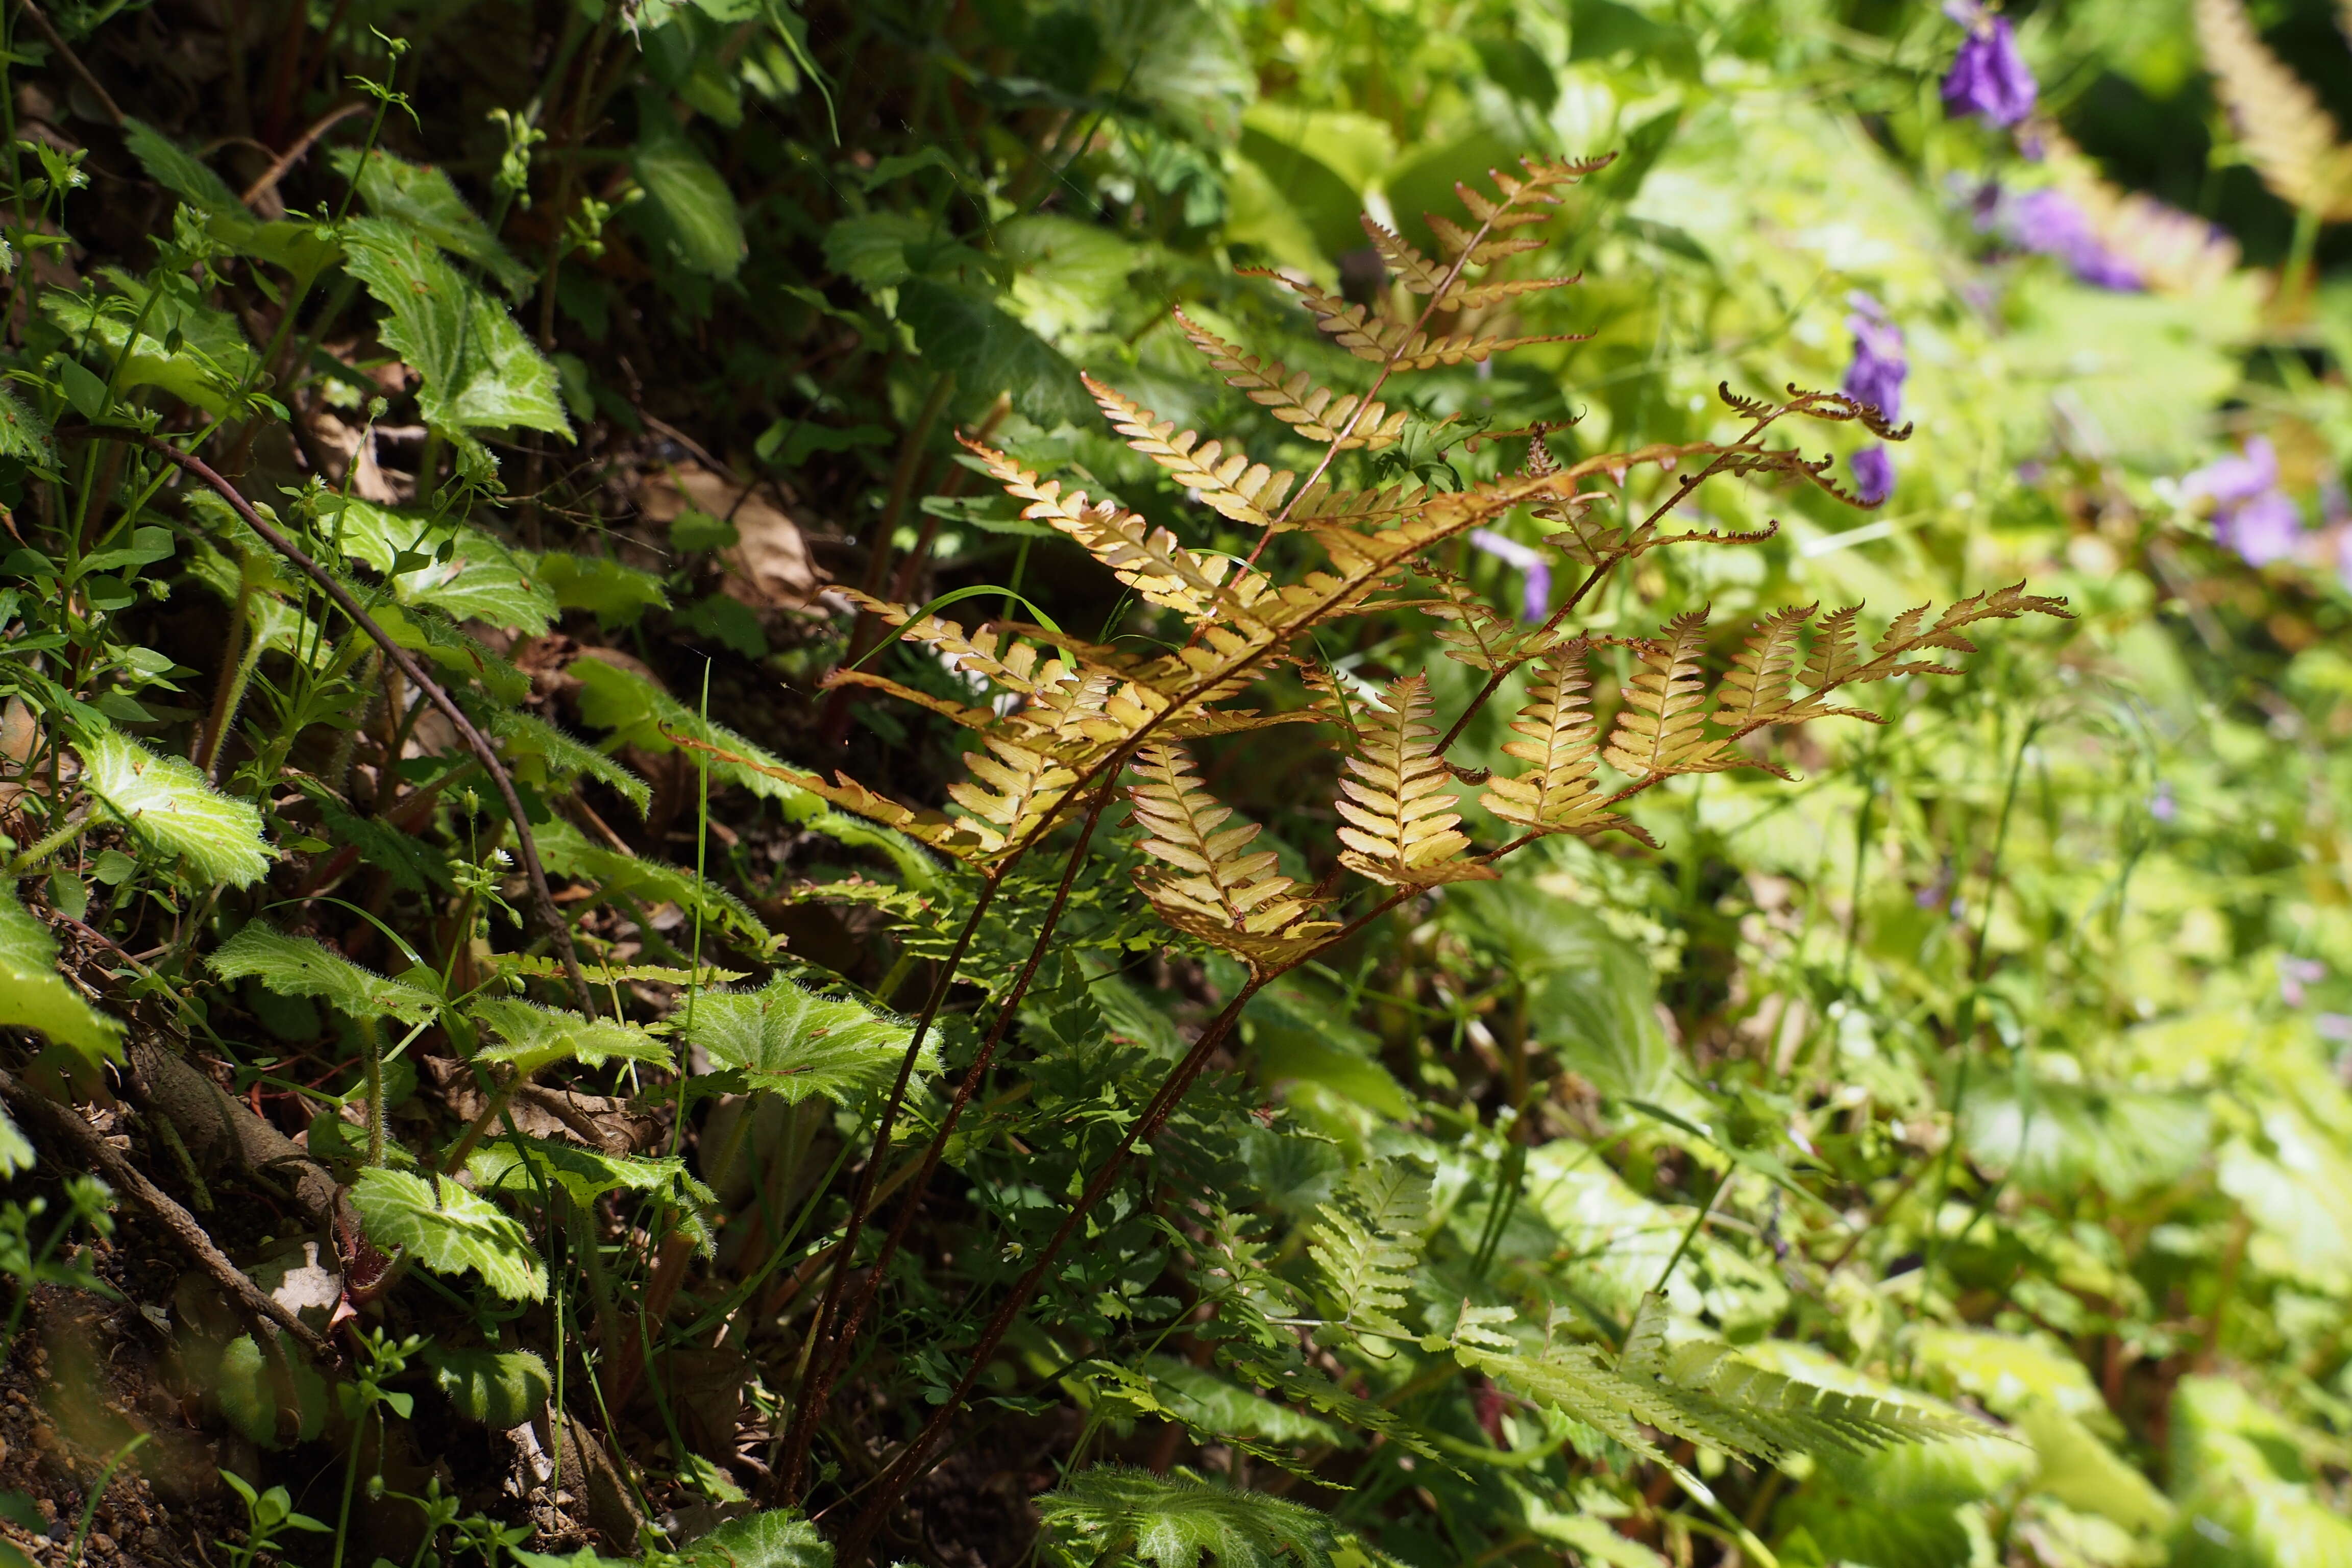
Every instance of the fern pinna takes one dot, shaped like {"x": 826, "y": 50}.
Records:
{"x": 1067, "y": 723}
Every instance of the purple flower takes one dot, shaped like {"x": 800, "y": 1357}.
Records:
{"x": 1879, "y": 365}
{"x": 1873, "y": 475}
{"x": 2251, "y": 515}
{"x": 2046, "y": 223}
{"x": 1535, "y": 590}
{"x": 1988, "y": 77}
{"x": 2162, "y": 805}
{"x": 2266, "y": 529}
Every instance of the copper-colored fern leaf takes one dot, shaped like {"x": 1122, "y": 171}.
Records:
{"x": 2291, "y": 140}
{"x": 1315, "y": 412}
{"x": 1205, "y": 882}
{"x": 1560, "y": 792}
{"x": 1393, "y": 808}
{"x": 1480, "y": 635}
{"x": 1149, "y": 560}
{"x": 1012, "y": 789}
{"x": 1397, "y": 344}
{"x": 1756, "y": 687}
{"x": 2172, "y": 251}
{"x": 1832, "y": 660}
{"x": 945, "y": 833}
{"x": 1233, "y": 486}
{"x": 1660, "y": 729}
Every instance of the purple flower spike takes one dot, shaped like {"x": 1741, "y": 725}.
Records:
{"x": 1880, "y": 365}
{"x": 2266, "y": 529}
{"x": 2046, "y": 223}
{"x": 1873, "y": 475}
{"x": 1535, "y": 571}
{"x": 1988, "y": 77}
{"x": 2251, "y": 515}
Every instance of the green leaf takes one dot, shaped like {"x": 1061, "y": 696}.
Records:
{"x": 2055, "y": 1137}
{"x": 531, "y": 1037}
{"x": 212, "y": 363}
{"x": 515, "y": 1165}
{"x": 174, "y": 811}
{"x": 450, "y": 1230}
{"x": 462, "y": 572}
{"x": 1698, "y": 1389}
{"x": 23, "y": 433}
{"x": 296, "y": 966}
{"x": 248, "y": 1395}
{"x": 779, "y": 1538}
{"x": 1366, "y": 1242}
{"x": 568, "y": 853}
{"x": 178, "y": 170}
{"x": 638, "y": 712}
{"x": 33, "y": 996}
{"x": 690, "y": 204}
{"x": 615, "y": 594}
{"x": 871, "y": 249}
{"x": 560, "y": 759}
{"x": 960, "y": 328}
{"x": 479, "y": 372}
{"x": 793, "y": 1043}
{"x": 420, "y": 198}
{"x": 1591, "y": 994}
{"x": 1175, "y": 1520}
{"x": 500, "y": 1389}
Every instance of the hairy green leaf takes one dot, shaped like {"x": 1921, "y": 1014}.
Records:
{"x": 33, "y": 996}
{"x": 420, "y": 199}
{"x": 793, "y": 1043}
{"x": 174, "y": 811}
{"x": 461, "y": 572}
{"x": 530, "y": 1037}
{"x": 500, "y": 1389}
{"x": 450, "y": 1230}
{"x": 298, "y": 966}
{"x": 694, "y": 211}
{"x": 480, "y": 373}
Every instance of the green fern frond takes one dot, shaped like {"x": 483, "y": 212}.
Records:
{"x": 1110, "y": 1515}
{"x": 1699, "y": 1390}
{"x": 1394, "y": 809}
{"x": 1204, "y": 883}
{"x": 1315, "y": 412}
{"x": 1366, "y": 1242}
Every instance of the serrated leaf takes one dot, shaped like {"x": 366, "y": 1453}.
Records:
{"x": 1175, "y": 1520}
{"x": 961, "y": 329}
{"x": 645, "y": 717}
{"x": 479, "y": 372}
{"x": 296, "y": 966}
{"x": 793, "y": 1043}
{"x": 462, "y": 572}
{"x": 420, "y": 198}
{"x": 450, "y": 1231}
{"x": 174, "y": 811}
{"x": 560, "y": 759}
{"x": 779, "y": 1538}
{"x": 614, "y": 594}
{"x": 500, "y": 1389}
{"x": 211, "y": 364}
{"x": 568, "y": 853}
{"x": 23, "y": 433}
{"x": 178, "y": 170}
{"x": 247, "y": 1390}
{"x": 33, "y": 996}
{"x": 695, "y": 211}
{"x": 511, "y": 1165}
{"x": 531, "y": 1037}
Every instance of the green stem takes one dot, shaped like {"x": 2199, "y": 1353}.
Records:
{"x": 373, "y": 1037}
{"x": 105, "y": 1480}
{"x": 25, "y": 864}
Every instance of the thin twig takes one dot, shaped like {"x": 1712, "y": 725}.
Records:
{"x": 834, "y": 1356}
{"x": 302, "y": 144}
{"x": 542, "y": 899}
{"x": 87, "y": 1144}
{"x": 73, "y": 61}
